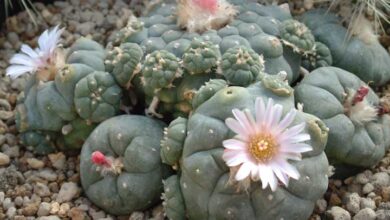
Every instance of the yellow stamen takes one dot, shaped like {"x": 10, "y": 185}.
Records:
{"x": 263, "y": 147}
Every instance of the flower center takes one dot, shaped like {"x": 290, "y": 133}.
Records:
{"x": 263, "y": 147}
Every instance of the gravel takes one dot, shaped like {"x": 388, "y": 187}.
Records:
{"x": 4, "y": 159}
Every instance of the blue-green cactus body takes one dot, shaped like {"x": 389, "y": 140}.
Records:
{"x": 364, "y": 57}
{"x": 134, "y": 142}
{"x": 355, "y": 138}
{"x": 203, "y": 183}
{"x": 255, "y": 27}
{"x": 79, "y": 90}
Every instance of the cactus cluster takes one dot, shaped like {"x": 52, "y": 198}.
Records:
{"x": 63, "y": 111}
{"x": 194, "y": 146}
{"x": 253, "y": 107}
{"x": 361, "y": 53}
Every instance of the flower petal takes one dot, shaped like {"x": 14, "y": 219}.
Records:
{"x": 293, "y": 131}
{"x": 16, "y": 70}
{"x": 235, "y": 126}
{"x": 290, "y": 170}
{"x": 22, "y": 59}
{"x": 29, "y": 51}
{"x": 244, "y": 171}
{"x": 267, "y": 177}
{"x": 234, "y": 144}
{"x": 298, "y": 138}
{"x": 295, "y": 148}
{"x": 287, "y": 120}
{"x": 260, "y": 111}
{"x": 279, "y": 174}
{"x": 268, "y": 114}
{"x": 234, "y": 158}
{"x": 277, "y": 114}
{"x": 242, "y": 118}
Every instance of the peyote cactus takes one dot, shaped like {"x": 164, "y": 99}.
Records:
{"x": 361, "y": 54}
{"x": 120, "y": 165}
{"x": 255, "y": 26}
{"x": 72, "y": 101}
{"x": 236, "y": 42}
{"x": 319, "y": 57}
{"x": 358, "y": 133}
{"x": 204, "y": 189}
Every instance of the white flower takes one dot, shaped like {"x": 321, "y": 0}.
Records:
{"x": 30, "y": 61}
{"x": 262, "y": 147}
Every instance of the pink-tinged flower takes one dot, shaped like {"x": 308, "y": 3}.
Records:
{"x": 100, "y": 159}
{"x": 262, "y": 147}
{"x": 208, "y": 5}
{"x": 44, "y": 58}
{"x": 203, "y": 15}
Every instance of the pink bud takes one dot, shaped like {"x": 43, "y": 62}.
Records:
{"x": 363, "y": 90}
{"x": 208, "y": 5}
{"x": 360, "y": 94}
{"x": 98, "y": 158}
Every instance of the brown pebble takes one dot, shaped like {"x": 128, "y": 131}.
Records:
{"x": 64, "y": 209}
{"x": 75, "y": 178}
{"x": 349, "y": 180}
{"x": 54, "y": 187}
{"x": 19, "y": 217}
{"x": 334, "y": 200}
{"x": 377, "y": 200}
{"x": 77, "y": 214}
{"x": 386, "y": 194}
{"x": 31, "y": 209}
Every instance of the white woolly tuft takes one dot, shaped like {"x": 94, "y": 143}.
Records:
{"x": 364, "y": 30}
{"x": 363, "y": 112}
{"x": 196, "y": 19}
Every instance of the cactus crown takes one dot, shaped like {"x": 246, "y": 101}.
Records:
{"x": 202, "y": 15}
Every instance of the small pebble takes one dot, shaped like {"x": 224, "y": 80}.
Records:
{"x": 4, "y": 159}
{"x": 382, "y": 214}
{"x": 77, "y": 214}
{"x": 11, "y": 212}
{"x": 96, "y": 215}
{"x": 361, "y": 178}
{"x": 2, "y": 197}
{"x": 64, "y": 209}
{"x": 338, "y": 213}
{"x": 368, "y": 188}
{"x": 31, "y": 209}
{"x": 35, "y": 163}
{"x": 54, "y": 208}
{"x": 52, "y": 217}
{"x": 18, "y": 201}
{"x": 367, "y": 203}
{"x": 381, "y": 179}
{"x": 44, "y": 209}
{"x": 365, "y": 214}
{"x": 7, "y": 203}
{"x": 58, "y": 160}
{"x": 137, "y": 216}
{"x": 353, "y": 203}
{"x": 386, "y": 194}
{"x": 41, "y": 190}
{"x": 48, "y": 174}
{"x": 67, "y": 192}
